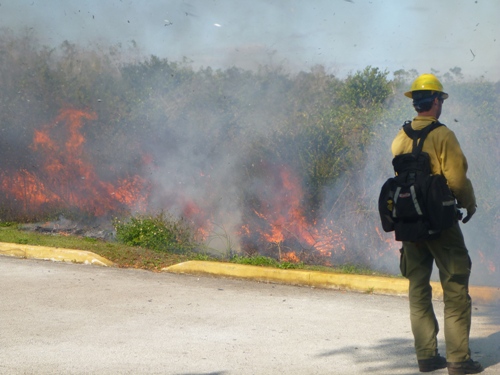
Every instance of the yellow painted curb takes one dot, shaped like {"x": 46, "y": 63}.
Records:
{"x": 359, "y": 283}
{"x": 51, "y": 253}
{"x": 362, "y": 283}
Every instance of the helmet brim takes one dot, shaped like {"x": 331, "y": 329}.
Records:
{"x": 409, "y": 94}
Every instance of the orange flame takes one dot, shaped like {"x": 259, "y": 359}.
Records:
{"x": 392, "y": 246}
{"x": 290, "y": 257}
{"x": 198, "y": 218}
{"x": 65, "y": 178}
{"x": 282, "y": 224}
{"x": 489, "y": 264}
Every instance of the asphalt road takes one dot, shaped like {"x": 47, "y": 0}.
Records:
{"x": 60, "y": 318}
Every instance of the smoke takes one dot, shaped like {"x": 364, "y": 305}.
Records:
{"x": 471, "y": 113}
{"x": 198, "y": 137}
{"x": 341, "y": 35}
{"x": 208, "y": 141}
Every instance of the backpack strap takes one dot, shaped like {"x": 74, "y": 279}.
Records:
{"x": 419, "y": 134}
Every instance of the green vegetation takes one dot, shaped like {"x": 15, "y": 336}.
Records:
{"x": 122, "y": 255}
{"x": 259, "y": 260}
{"x": 160, "y": 233}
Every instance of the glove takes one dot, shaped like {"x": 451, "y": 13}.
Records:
{"x": 470, "y": 212}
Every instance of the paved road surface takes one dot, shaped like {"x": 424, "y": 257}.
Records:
{"x": 60, "y": 318}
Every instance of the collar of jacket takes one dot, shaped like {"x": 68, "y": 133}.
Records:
{"x": 421, "y": 122}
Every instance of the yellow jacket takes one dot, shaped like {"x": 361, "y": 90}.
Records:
{"x": 446, "y": 157}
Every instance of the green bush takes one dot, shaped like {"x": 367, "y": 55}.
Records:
{"x": 159, "y": 233}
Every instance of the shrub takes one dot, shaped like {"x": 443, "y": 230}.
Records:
{"x": 159, "y": 233}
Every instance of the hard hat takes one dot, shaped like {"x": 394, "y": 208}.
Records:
{"x": 427, "y": 82}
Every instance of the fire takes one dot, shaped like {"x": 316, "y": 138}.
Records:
{"x": 198, "y": 219}
{"x": 278, "y": 222}
{"x": 392, "y": 246}
{"x": 290, "y": 257}
{"x": 65, "y": 177}
{"x": 489, "y": 264}
{"x": 24, "y": 187}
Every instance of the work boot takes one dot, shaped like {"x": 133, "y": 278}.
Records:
{"x": 431, "y": 364}
{"x": 467, "y": 367}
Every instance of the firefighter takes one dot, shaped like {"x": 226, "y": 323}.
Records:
{"x": 448, "y": 251}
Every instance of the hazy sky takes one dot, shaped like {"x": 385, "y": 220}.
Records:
{"x": 342, "y": 35}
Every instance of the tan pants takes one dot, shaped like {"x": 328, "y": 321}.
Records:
{"x": 454, "y": 264}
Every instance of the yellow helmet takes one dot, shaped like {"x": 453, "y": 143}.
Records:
{"x": 426, "y": 82}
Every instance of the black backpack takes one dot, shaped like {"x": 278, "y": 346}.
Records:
{"x": 416, "y": 204}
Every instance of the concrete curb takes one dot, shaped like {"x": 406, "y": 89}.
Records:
{"x": 328, "y": 280}
{"x": 54, "y": 254}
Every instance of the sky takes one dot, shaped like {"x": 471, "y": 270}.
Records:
{"x": 342, "y": 35}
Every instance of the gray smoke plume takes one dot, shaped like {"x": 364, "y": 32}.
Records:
{"x": 202, "y": 140}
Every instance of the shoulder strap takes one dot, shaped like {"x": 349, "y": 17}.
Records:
{"x": 419, "y": 134}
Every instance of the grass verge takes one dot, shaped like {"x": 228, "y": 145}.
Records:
{"x": 125, "y": 256}
{"x": 122, "y": 255}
